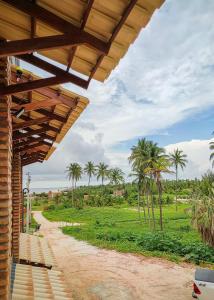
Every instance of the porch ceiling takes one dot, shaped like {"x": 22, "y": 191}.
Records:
{"x": 49, "y": 113}
{"x": 88, "y": 36}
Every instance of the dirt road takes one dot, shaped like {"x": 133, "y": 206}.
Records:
{"x": 94, "y": 273}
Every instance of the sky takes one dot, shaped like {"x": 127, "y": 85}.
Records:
{"x": 162, "y": 90}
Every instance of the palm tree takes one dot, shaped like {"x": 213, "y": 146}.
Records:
{"x": 89, "y": 170}
{"x": 116, "y": 176}
{"x": 102, "y": 172}
{"x": 212, "y": 154}
{"x": 138, "y": 175}
{"x": 74, "y": 171}
{"x": 138, "y": 159}
{"x": 178, "y": 159}
{"x": 158, "y": 166}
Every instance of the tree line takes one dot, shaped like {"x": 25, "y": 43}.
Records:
{"x": 101, "y": 171}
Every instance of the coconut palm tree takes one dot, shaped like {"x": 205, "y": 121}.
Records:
{"x": 159, "y": 165}
{"x": 74, "y": 172}
{"x": 90, "y": 170}
{"x": 178, "y": 159}
{"x": 139, "y": 160}
{"x": 102, "y": 172}
{"x": 116, "y": 176}
{"x": 139, "y": 179}
{"x": 212, "y": 154}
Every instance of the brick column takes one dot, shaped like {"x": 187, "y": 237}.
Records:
{"x": 5, "y": 183}
{"x": 21, "y": 204}
{"x": 16, "y": 200}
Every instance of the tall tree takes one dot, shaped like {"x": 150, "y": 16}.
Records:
{"x": 116, "y": 176}
{"x": 138, "y": 175}
{"x": 102, "y": 172}
{"x": 139, "y": 159}
{"x": 90, "y": 170}
{"x": 74, "y": 172}
{"x": 178, "y": 159}
{"x": 160, "y": 165}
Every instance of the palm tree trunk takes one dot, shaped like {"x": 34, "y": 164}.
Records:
{"x": 89, "y": 179}
{"x": 72, "y": 192}
{"x": 152, "y": 202}
{"x": 176, "y": 188}
{"x": 148, "y": 208}
{"x": 160, "y": 204}
{"x": 138, "y": 203}
{"x": 144, "y": 210}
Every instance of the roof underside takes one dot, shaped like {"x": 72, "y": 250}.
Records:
{"x": 48, "y": 115}
{"x": 116, "y": 24}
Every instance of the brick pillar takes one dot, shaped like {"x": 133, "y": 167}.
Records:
{"x": 21, "y": 205}
{"x": 16, "y": 200}
{"x": 5, "y": 183}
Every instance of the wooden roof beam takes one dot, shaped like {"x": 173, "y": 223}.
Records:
{"x": 31, "y": 161}
{"x": 73, "y": 33}
{"x": 30, "y": 123}
{"x": 83, "y": 23}
{"x": 34, "y": 105}
{"x": 48, "y": 67}
{"x": 45, "y": 127}
{"x": 41, "y": 111}
{"x": 20, "y": 136}
{"x": 9, "y": 48}
{"x": 123, "y": 19}
{"x": 34, "y": 154}
{"x": 28, "y": 147}
{"x": 31, "y": 141}
{"x": 31, "y": 85}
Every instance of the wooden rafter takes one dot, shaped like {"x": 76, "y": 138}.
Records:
{"x": 44, "y": 65}
{"x": 123, "y": 19}
{"x": 29, "y": 147}
{"x": 30, "y": 123}
{"x": 36, "y": 104}
{"x": 84, "y": 21}
{"x": 31, "y": 141}
{"x": 71, "y": 31}
{"x": 31, "y": 161}
{"x": 30, "y": 133}
{"x": 30, "y": 86}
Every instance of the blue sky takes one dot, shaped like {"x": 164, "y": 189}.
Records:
{"x": 162, "y": 90}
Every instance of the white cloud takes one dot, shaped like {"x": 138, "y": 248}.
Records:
{"x": 198, "y": 154}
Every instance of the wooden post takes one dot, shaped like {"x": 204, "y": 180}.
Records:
{"x": 5, "y": 182}
{"x": 16, "y": 200}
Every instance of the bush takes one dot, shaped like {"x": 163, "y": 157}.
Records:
{"x": 163, "y": 242}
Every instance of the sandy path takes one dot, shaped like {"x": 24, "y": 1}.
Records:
{"x": 94, "y": 273}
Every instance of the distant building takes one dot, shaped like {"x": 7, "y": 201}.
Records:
{"x": 52, "y": 194}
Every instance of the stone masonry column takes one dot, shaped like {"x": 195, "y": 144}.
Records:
{"x": 16, "y": 200}
{"x": 5, "y": 183}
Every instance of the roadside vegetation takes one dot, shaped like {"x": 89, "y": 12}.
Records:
{"x": 150, "y": 215}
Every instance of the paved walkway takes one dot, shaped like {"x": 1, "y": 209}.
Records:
{"x": 94, "y": 273}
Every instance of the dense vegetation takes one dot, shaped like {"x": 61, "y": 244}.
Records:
{"x": 118, "y": 228}
{"x": 153, "y": 216}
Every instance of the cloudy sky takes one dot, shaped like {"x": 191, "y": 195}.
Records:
{"x": 161, "y": 90}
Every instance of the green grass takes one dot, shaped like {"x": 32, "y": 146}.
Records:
{"x": 118, "y": 228}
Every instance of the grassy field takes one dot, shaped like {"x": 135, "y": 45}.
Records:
{"x": 117, "y": 228}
